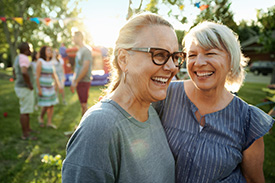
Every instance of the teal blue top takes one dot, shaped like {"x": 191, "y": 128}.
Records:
{"x": 111, "y": 146}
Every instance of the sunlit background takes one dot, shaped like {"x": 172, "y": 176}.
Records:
{"x": 104, "y": 18}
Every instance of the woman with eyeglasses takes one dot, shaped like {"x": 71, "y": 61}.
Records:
{"x": 214, "y": 135}
{"x": 45, "y": 77}
{"x": 121, "y": 139}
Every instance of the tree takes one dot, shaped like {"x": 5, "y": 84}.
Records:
{"x": 37, "y": 34}
{"x": 267, "y": 35}
{"x": 246, "y": 31}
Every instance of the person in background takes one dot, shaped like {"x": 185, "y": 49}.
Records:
{"x": 120, "y": 139}
{"x": 82, "y": 72}
{"x": 23, "y": 87}
{"x": 45, "y": 77}
{"x": 59, "y": 69}
{"x": 214, "y": 135}
{"x": 35, "y": 57}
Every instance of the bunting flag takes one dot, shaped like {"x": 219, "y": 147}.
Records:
{"x": 181, "y": 7}
{"x": 3, "y": 19}
{"x": 37, "y": 20}
{"x": 18, "y": 20}
{"x": 197, "y": 4}
{"x": 201, "y": 7}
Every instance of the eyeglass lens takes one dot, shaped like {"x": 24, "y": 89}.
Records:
{"x": 162, "y": 56}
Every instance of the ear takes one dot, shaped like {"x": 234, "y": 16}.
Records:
{"x": 122, "y": 59}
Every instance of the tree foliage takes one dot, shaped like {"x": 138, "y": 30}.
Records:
{"x": 246, "y": 31}
{"x": 267, "y": 35}
{"x": 218, "y": 11}
{"x": 36, "y": 34}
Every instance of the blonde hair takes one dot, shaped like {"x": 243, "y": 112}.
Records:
{"x": 127, "y": 39}
{"x": 212, "y": 35}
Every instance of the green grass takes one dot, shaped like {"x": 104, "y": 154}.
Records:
{"x": 252, "y": 93}
{"x": 21, "y": 161}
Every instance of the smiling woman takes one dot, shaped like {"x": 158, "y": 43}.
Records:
{"x": 205, "y": 124}
{"x": 120, "y": 139}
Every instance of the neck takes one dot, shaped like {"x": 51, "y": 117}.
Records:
{"x": 209, "y": 101}
{"x": 80, "y": 45}
{"x": 130, "y": 103}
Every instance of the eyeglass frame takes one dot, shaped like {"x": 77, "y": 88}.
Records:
{"x": 149, "y": 50}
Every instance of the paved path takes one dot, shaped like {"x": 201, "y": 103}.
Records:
{"x": 250, "y": 77}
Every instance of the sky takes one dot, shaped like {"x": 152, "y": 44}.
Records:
{"x": 104, "y": 18}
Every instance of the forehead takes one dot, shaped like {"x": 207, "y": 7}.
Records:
{"x": 157, "y": 36}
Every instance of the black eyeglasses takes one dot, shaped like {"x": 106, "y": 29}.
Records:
{"x": 161, "y": 56}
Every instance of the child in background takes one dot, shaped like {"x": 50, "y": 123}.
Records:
{"x": 59, "y": 69}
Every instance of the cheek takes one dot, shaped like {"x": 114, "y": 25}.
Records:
{"x": 189, "y": 65}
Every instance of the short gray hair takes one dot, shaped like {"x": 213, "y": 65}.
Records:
{"x": 214, "y": 35}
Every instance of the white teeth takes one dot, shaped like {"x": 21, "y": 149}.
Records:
{"x": 204, "y": 74}
{"x": 164, "y": 80}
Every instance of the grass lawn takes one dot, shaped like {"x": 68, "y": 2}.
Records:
{"x": 40, "y": 161}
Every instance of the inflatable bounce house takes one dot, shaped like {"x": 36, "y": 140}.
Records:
{"x": 100, "y": 65}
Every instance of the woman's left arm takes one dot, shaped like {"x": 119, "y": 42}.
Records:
{"x": 252, "y": 164}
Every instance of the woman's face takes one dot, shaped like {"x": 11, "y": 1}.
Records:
{"x": 149, "y": 82}
{"x": 37, "y": 56}
{"x": 48, "y": 52}
{"x": 207, "y": 68}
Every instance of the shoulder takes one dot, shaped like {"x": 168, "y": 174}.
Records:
{"x": 175, "y": 89}
{"x": 24, "y": 60}
{"x": 40, "y": 60}
{"x": 100, "y": 120}
{"x": 61, "y": 61}
{"x": 258, "y": 116}
{"x": 255, "y": 121}
{"x": 85, "y": 49}
{"x": 97, "y": 128}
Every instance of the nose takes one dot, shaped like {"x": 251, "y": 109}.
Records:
{"x": 169, "y": 65}
{"x": 200, "y": 60}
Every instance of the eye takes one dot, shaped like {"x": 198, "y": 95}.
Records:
{"x": 211, "y": 53}
{"x": 191, "y": 55}
{"x": 159, "y": 54}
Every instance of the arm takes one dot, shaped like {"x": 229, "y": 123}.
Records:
{"x": 55, "y": 77}
{"x": 82, "y": 73}
{"x": 38, "y": 73}
{"x": 252, "y": 164}
{"x": 26, "y": 77}
{"x": 13, "y": 72}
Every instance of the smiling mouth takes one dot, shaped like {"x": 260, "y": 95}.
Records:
{"x": 204, "y": 74}
{"x": 160, "y": 80}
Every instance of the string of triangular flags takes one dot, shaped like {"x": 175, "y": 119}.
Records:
{"x": 38, "y": 20}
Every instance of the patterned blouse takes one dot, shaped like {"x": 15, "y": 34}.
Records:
{"x": 213, "y": 153}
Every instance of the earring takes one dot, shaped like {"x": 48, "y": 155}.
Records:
{"x": 124, "y": 75}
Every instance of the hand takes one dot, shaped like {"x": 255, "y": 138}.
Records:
{"x": 61, "y": 90}
{"x": 40, "y": 92}
{"x": 73, "y": 86}
{"x": 31, "y": 87}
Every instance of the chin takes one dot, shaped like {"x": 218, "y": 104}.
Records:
{"x": 159, "y": 97}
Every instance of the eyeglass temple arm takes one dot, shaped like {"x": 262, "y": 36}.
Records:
{"x": 142, "y": 49}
